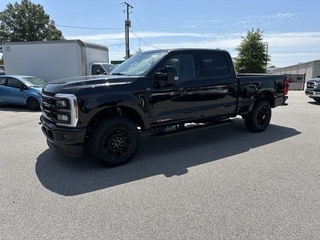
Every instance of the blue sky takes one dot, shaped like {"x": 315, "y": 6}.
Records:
{"x": 291, "y": 28}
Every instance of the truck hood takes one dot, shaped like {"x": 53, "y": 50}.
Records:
{"x": 87, "y": 82}
{"x": 314, "y": 80}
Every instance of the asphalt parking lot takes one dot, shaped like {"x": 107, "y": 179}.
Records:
{"x": 222, "y": 183}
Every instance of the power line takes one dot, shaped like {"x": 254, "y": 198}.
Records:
{"x": 67, "y": 26}
{"x": 141, "y": 26}
{"x": 116, "y": 44}
{"x": 89, "y": 11}
{"x": 143, "y": 40}
{"x": 86, "y": 16}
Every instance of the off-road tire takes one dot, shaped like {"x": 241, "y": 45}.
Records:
{"x": 114, "y": 141}
{"x": 259, "y": 118}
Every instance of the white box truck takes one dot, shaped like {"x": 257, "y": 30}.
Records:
{"x": 52, "y": 60}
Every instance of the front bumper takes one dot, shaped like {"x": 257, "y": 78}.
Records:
{"x": 67, "y": 141}
{"x": 314, "y": 93}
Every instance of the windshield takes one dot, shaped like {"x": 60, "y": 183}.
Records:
{"x": 109, "y": 67}
{"x": 139, "y": 64}
{"x": 34, "y": 82}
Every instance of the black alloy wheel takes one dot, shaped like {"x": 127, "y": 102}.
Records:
{"x": 259, "y": 118}
{"x": 115, "y": 141}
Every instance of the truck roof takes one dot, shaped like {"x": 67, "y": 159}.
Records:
{"x": 186, "y": 50}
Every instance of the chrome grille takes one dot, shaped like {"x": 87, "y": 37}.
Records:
{"x": 51, "y": 110}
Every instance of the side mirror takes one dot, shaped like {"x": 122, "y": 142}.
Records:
{"x": 172, "y": 75}
{"x": 165, "y": 77}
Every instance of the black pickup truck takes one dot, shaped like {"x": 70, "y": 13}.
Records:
{"x": 313, "y": 89}
{"x": 161, "y": 92}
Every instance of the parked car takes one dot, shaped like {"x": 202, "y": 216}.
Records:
{"x": 21, "y": 90}
{"x": 313, "y": 89}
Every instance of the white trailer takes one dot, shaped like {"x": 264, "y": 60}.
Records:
{"x": 52, "y": 60}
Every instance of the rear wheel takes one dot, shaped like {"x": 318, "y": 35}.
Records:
{"x": 33, "y": 104}
{"x": 115, "y": 141}
{"x": 259, "y": 118}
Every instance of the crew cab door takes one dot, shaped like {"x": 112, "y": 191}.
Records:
{"x": 183, "y": 99}
{"x": 219, "y": 84}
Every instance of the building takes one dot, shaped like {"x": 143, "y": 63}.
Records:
{"x": 310, "y": 69}
{"x": 299, "y": 74}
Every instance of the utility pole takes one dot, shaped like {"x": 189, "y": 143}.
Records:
{"x": 127, "y": 25}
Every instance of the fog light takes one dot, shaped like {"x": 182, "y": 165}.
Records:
{"x": 62, "y": 117}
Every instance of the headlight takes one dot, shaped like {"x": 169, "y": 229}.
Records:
{"x": 66, "y": 107}
{"x": 61, "y": 103}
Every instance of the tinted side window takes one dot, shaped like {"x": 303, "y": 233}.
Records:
{"x": 2, "y": 81}
{"x": 14, "y": 83}
{"x": 215, "y": 65}
{"x": 184, "y": 64}
{"x": 97, "y": 69}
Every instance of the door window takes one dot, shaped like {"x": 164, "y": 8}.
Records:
{"x": 184, "y": 65}
{"x": 215, "y": 65}
{"x": 2, "y": 81}
{"x": 97, "y": 69}
{"x": 14, "y": 83}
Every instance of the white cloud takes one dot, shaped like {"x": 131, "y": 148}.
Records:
{"x": 284, "y": 48}
{"x": 261, "y": 20}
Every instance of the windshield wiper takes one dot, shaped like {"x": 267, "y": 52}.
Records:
{"x": 119, "y": 74}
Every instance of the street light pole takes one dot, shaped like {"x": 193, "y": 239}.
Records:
{"x": 267, "y": 49}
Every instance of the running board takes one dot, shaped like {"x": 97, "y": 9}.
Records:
{"x": 189, "y": 128}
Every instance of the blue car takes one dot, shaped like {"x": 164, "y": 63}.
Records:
{"x": 21, "y": 90}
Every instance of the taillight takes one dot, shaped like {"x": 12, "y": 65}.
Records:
{"x": 286, "y": 86}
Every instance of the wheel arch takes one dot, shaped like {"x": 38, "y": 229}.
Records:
{"x": 264, "y": 95}
{"x": 33, "y": 107}
{"x": 34, "y": 97}
{"x": 116, "y": 111}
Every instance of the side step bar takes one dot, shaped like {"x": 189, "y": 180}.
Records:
{"x": 188, "y": 128}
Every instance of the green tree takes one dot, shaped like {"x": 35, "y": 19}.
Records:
{"x": 27, "y": 22}
{"x": 252, "y": 56}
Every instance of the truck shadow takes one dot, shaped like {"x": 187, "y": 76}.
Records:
{"x": 170, "y": 156}
{"x": 314, "y": 103}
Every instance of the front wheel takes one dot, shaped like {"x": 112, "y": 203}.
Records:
{"x": 33, "y": 104}
{"x": 259, "y": 118}
{"x": 115, "y": 141}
